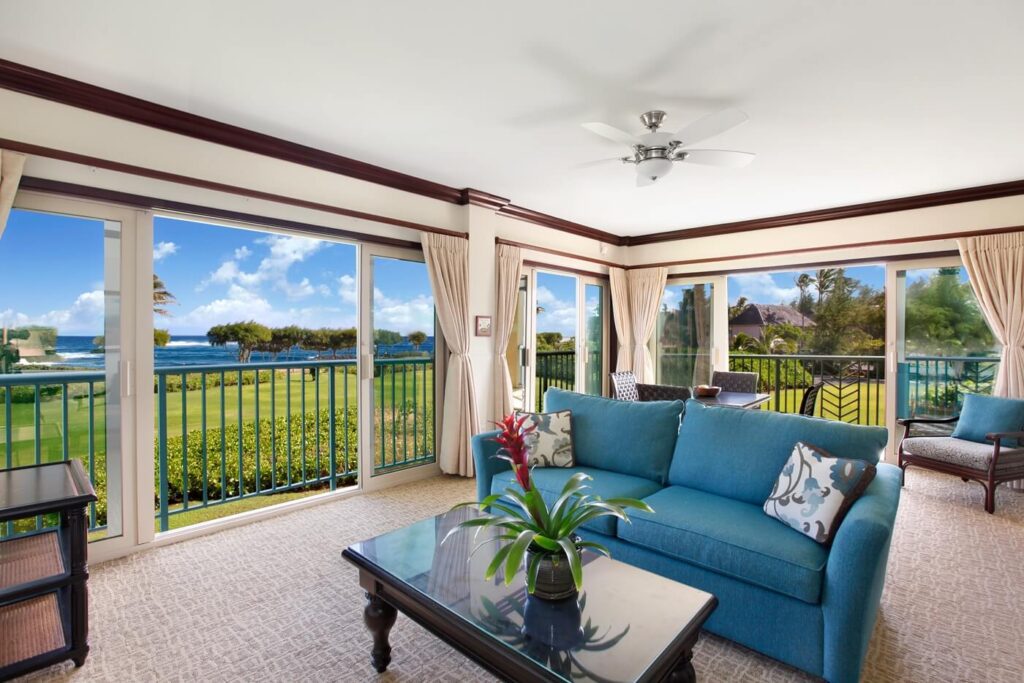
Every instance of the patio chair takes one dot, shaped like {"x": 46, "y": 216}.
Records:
{"x": 809, "y": 399}
{"x": 989, "y": 464}
{"x": 626, "y": 388}
{"x": 740, "y": 382}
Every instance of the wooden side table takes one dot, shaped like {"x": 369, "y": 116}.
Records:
{"x": 44, "y": 614}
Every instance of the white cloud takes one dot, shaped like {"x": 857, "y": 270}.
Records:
{"x": 324, "y": 290}
{"x": 671, "y": 297}
{"x": 242, "y": 303}
{"x": 164, "y": 249}
{"x": 557, "y": 315}
{"x": 284, "y": 252}
{"x": 347, "y": 289}
{"x": 761, "y": 288}
{"x": 416, "y": 314}
{"x": 83, "y": 316}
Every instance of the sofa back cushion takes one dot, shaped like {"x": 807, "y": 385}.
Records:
{"x": 620, "y": 436}
{"x": 739, "y": 453}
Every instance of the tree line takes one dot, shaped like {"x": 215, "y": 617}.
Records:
{"x": 253, "y": 336}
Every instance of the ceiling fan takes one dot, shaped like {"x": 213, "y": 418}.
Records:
{"x": 655, "y": 151}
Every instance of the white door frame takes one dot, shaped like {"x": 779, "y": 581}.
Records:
{"x": 134, "y": 464}
{"x": 894, "y": 334}
{"x": 581, "y": 324}
{"x": 368, "y": 481}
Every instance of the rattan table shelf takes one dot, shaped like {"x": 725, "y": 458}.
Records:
{"x": 43, "y": 574}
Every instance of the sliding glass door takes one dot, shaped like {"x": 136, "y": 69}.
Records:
{"x": 683, "y": 340}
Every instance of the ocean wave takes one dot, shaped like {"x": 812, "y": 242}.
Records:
{"x": 185, "y": 344}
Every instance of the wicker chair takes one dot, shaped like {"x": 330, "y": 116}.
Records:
{"x": 626, "y": 388}
{"x": 988, "y": 464}
{"x": 809, "y": 399}
{"x": 739, "y": 382}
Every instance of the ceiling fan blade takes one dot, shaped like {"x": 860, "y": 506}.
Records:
{"x": 723, "y": 158}
{"x": 710, "y": 125}
{"x": 597, "y": 162}
{"x": 612, "y": 133}
{"x": 643, "y": 180}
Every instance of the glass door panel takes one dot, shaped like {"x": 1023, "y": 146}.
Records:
{"x": 403, "y": 396}
{"x": 944, "y": 346}
{"x": 683, "y": 338}
{"x": 60, "y": 354}
{"x": 594, "y": 361}
{"x": 556, "y": 333}
{"x": 518, "y": 353}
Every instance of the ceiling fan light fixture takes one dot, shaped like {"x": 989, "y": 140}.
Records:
{"x": 654, "y": 168}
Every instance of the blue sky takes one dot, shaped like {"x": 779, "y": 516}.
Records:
{"x": 780, "y": 288}
{"x": 556, "y": 295}
{"x": 218, "y": 275}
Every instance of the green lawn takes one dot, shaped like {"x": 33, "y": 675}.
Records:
{"x": 404, "y": 429}
{"x": 868, "y": 404}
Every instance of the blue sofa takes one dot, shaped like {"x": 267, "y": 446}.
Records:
{"x": 779, "y": 592}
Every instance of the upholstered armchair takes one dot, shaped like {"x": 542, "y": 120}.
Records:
{"x": 998, "y": 459}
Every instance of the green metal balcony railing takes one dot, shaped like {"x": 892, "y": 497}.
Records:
{"x": 554, "y": 369}
{"x": 935, "y": 385}
{"x": 225, "y": 433}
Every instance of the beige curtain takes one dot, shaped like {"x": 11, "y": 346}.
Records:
{"x": 995, "y": 265}
{"x": 509, "y": 268}
{"x": 447, "y": 260}
{"x": 620, "y": 315}
{"x": 11, "y": 166}
{"x": 646, "y": 290}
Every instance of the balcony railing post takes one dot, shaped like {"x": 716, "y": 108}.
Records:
{"x": 162, "y": 439}
{"x": 778, "y": 384}
{"x": 332, "y": 439}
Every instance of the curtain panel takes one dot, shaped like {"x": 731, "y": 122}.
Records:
{"x": 11, "y": 166}
{"x": 619, "y": 287}
{"x": 995, "y": 265}
{"x": 509, "y": 269}
{"x": 646, "y": 289}
{"x": 447, "y": 260}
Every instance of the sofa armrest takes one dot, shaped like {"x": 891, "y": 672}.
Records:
{"x": 855, "y": 574}
{"x": 484, "y": 462}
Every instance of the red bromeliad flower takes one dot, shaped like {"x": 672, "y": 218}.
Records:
{"x": 513, "y": 443}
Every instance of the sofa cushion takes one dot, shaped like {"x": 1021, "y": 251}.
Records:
{"x": 549, "y": 441}
{"x": 739, "y": 453}
{"x": 983, "y": 415}
{"x": 815, "y": 489}
{"x": 550, "y": 480}
{"x": 621, "y": 436}
{"x": 729, "y": 537}
{"x": 954, "y": 451}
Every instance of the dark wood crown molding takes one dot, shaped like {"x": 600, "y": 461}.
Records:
{"x": 74, "y": 93}
{"x": 921, "y": 201}
{"x": 49, "y": 86}
{"x": 38, "y": 83}
{"x": 548, "y": 221}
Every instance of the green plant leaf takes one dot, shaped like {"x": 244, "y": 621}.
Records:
{"x": 547, "y": 543}
{"x": 515, "y": 554}
{"x": 574, "y": 561}
{"x": 594, "y": 546}
{"x": 532, "y": 568}
{"x": 499, "y": 557}
{"x": 630, "y": 503}
{"x": 539, "y": 508}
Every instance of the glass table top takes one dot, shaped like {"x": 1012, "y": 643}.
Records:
{"x": 618, "y": 628}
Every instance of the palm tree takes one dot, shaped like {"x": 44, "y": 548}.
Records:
{"x": 825, "y": 281}
{"x": 161, "y": 297}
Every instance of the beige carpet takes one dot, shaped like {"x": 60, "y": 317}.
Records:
{"x": 274, "y": 601}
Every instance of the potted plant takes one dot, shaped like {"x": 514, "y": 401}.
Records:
{"x": 544, "y": 535}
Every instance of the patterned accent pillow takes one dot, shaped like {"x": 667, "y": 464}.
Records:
{"x": 815, "y": 490}
{"x": 550, "y": 445}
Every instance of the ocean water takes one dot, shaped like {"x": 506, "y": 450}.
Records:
{"x": 77, "y": 352}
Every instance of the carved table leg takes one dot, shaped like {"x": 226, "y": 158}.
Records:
{"x": 683, "y": 672}
{"x": 379, "y": 617}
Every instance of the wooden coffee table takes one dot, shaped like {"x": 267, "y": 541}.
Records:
{"x": 627, "y": 625}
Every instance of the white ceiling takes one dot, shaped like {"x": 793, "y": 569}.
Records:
{"x": 849, "y": 101}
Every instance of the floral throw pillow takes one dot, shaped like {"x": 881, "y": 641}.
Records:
{"x": 815, "y": 489}
{"x": 550, "y": 444}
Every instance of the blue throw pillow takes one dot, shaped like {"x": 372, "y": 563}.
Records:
{"x": 982, "y": 415}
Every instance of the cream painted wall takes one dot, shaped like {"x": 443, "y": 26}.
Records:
{"x": 831, "y": 235}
